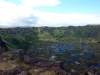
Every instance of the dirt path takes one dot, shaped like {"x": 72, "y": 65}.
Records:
{"x": 7, "y": 65}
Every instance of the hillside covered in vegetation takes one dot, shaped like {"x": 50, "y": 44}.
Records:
{"x": 24, "y": 38}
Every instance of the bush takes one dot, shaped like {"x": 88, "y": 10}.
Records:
{"x": 4, "y": 55}
{"x": 52, "y": 73}
{"x": 10, "y": 58}
{"x": 17, "y": 60}
{"x": 23, "y": 65}
{"x": 1, "y": 70}
{"x": 29, "y": 73}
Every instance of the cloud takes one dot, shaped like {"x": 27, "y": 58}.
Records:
{"x": 12, "y": 15}
{"x": 29, "y": 20}
{"x": 25, "y": 21}
{"x": 56, "y": 19}
{"x": 34, "y": 3}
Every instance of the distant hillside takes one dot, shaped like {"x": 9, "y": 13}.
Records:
{"x": 25, "y": 37}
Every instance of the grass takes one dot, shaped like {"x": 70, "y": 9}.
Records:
{"x": 52, "y": 73}
{"x": 4, "y": 55}
{"x": 1, "y": 48}
{"x": 29, "y": 73}
{"x": 17, "y": 60}
{"x": 1, "y": 70}
{"x": 23, "y": 65}
{"x": 10, "y": 58}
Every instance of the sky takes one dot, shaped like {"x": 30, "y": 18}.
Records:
{"x": 15, "y": 13}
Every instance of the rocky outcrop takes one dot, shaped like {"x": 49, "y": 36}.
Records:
{"x": 93, "y": 71}
{"x": 88, "y": 71}
{"x": 28, "y": 58}
{"x": 38, "y": 62}
{"x": 28, "y": 61}
{"x": 23, "y": 73}
{"x": 19, "y": 53}
{"x": 13, "y": 71}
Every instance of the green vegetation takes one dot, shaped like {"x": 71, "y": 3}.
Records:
{"x": 4, "y": 55}
{"x": 19, "y": 38}
{"x": 7, "y": 57}
{"x": 1, "y": 48}
{"x": 10, "y": 58}
{"x": 52, "y": 73}
{"x": 23, "y": 65}
{"x": 25, "y": 38}
{"x": 17, "y": 60}
{"x": 29, "y": 73}
{"x": 1, "y": 70}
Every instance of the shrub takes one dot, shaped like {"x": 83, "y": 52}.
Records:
{"x": 17, "y": 60}
{"x": 1, "y": 70}
{"x": 23, "y": 65}
{"x": 29, "y": 73}
{"x": 52, "y": 73}
{"x": 4, "y": 55}
{"x": 10, "y": 58}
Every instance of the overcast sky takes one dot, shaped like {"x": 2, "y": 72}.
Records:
{"x": 14, "y": 13}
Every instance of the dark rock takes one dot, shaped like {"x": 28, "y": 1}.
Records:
{"x": 59, "y": 64}
{"x": 27, "y": 59}
{"x": 3, "y": 47}
{"x": 93, "y": 71}
{"x": 88, "y": 71}
{"x": 61, "y": 72}
{"x": 23, "y": 73}
{"x": 75, "y": 73}
{"x": 16, "y": 53}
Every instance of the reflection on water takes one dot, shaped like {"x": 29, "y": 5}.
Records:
{"x": 66, "y": 47}
{"x": 88, "y": 57}
{"x": 70, "y": 54}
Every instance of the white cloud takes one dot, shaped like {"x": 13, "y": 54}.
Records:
{"x": 57, "y": 19}
{"x": 33, "y": 3}
{"x": 12, "y": 15}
